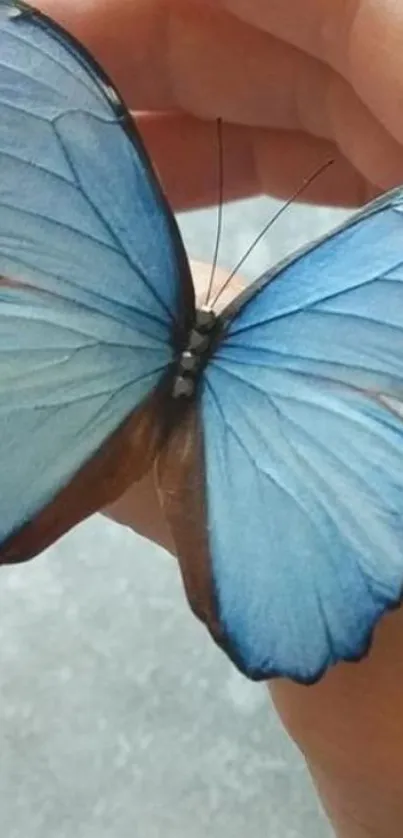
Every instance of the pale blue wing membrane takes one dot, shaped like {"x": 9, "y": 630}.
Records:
{"x": 62, "y": 393}
{"x": 93, "y": 264}
{"x": 303, "y": 425}
{"x": 60, "y": 137}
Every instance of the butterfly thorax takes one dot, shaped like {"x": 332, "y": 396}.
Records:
{"x": 195, "y": 354}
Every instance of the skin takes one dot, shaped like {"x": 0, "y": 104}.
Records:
{"x": 296, "y": 83}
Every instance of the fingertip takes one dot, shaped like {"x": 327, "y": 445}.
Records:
{"x": 376, "y": 62}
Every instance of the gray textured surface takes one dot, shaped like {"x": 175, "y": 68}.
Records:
{"x": 117, "y": 715}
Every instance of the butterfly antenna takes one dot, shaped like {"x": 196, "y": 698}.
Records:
{"x": 220, "y": 208}
{"x": 307, "y": 182}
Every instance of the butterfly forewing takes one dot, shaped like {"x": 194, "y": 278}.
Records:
{"x": 96, "y": 294}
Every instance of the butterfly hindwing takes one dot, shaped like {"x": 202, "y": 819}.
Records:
{"x": 302, "y": 408}
{"x": 94, "y": 278}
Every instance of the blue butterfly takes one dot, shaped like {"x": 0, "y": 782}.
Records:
{"x": 275, "y": 427}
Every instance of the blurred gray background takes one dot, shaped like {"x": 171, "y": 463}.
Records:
{"x": 118, "y": 717}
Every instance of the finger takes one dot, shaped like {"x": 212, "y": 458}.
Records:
{"x": 360, "y": 39}
{"x": 208, "y": 63}
{"x": 219, "y": 67}
{"x": 128, "y": 39}
{"x": 256, "y": 161}
{"x": 350, "y": 729}
{"x": 201, "y": 60}
{"x": 369, "y": 146}
{"x": 190, "y": 57}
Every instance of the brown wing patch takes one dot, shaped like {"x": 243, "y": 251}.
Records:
{"x": 123, "y": 459}
{"x": 181, "y": 483}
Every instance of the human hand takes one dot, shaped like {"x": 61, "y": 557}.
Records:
{"x": 295, "y": 83}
